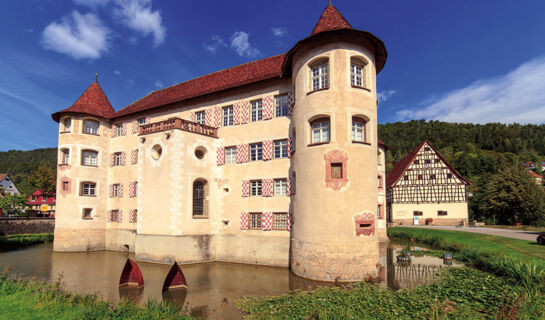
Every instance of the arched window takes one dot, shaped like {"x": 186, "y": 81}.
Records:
{"x": 67, "y": 123}
{"x": 90, "y": 127}
{"x": 89, "y": 158}
{"x": 200, "y": 207}
{"x": 357, "y": 72}
{"x": 319, "y": 74}
{"x": 65, "y": 152}
{"x": 358, "y": 129}
{"x": 320, "y": 130}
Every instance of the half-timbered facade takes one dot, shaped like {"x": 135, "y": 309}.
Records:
{"x": 423, "y": 188}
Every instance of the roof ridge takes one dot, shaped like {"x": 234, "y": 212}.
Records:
{"x": 331, "y": 19}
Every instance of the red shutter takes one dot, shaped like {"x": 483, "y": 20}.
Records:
{"x": 111, "y": 191}
{"x": 134, "y": 126}
{"x": 208, "y": 117}
{"x": 121, "y": 190}
{"x": 192, "y": 116}
{"x": 109, "y": 216}
{"x": 267, "y": 190}
{"x": 291, "y": 102}
{"x": 124, "y": 128}
{"x": 134, "y": 156}
{"x": 290, "y": 220}
{"x": 220, "y": 156}
{"x": 111, "y": 159}
{"x": 244, "y": 221}
{"x": 236, "y": 113}
{"x": 123, "y": 158}
{"x": 268, "y": 107}
{"x": 244, "y": 111}
{"x": 288, "y": 186}
{"x": 266, "y": 221}
{"x": 120, "y": 216}
{"x": 242, "y": 153}
{"x": 245, "y": 188}
{"x": 267, "y": 150}
{"x": 217, "y": 117}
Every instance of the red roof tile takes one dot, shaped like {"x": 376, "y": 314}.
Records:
{"x": 40, "y": 199}
{"x": 380, "y": 143}
{"x": 331, "y": 19}
{"x": 2, "y": 176}
{"x": 218, "y": 81}
{"x": 93, "y": 101}
{"x": 399, "y": 168}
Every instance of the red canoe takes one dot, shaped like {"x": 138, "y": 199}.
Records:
{"x": 175, "y": 278}
{"x": 131, "y": 275}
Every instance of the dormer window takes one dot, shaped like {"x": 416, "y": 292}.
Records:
{"x": 320, "y": 74}
{"x": 90, "y": 127}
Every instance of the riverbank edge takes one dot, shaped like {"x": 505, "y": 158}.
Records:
{"x": 15, "y": 241}
{"x": 29, "y": 299}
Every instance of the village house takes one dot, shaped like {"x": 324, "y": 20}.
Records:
{"x": 272, "y": 162}
{"x": 7, "y": 185}
{"x": 423, "y": 188}
{"x": 40, "y": 205}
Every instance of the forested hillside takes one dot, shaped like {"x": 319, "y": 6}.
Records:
{"x": 19, "y": 165}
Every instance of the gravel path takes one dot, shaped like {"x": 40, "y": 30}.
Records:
{"x": 515, "y": 234}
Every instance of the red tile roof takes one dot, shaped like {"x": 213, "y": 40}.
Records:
{"x": 247, "y": 73}
{"x": 331, "y": 19}
{"x": 39, "y": 199}
{"x": 380, "y": 143}
{"x": 535, "y": 175}
{"x": 401, "y": 166}
{"x": 93, "y": 102}
{"x": 2, "y": 176}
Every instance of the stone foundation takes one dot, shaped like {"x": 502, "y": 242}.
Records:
{"x": 382, "y": 235}
{"x": 120, "y": 239}
{"x": 79, "y": 240}
{"x": 344, "y": 262}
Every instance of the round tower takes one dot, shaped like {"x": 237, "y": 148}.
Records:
{"x": 334, "y": 235}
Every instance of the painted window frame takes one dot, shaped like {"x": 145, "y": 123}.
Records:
{"x": 90, "y": 129}
{"x": 85, "y": 155}
{"x": 322, "y": 126}
{"x": 90, "y": 187}
{"x": 254, "y": 220}
{"x": 228, "y": 116}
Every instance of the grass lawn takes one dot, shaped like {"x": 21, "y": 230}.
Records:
{"x": 522, "y": 227}
{"x": 21, "y": 240}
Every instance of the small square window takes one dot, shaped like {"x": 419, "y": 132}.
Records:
{"x": 87, "y": 213}
{"x": 441, "y": 213}
{"x": 449, "y": 175}
{"x": 141, "y": 121}
{"x": 432, "y": 176}
{"x": 427, "y": 161}
{"x": 419, "y": 177}
{"x": 406, "y": 178}
{"x": 416, "y": 161}
{"x": 417, "y": 213}
{"x": 65, "y": 186}
{"x": 336, "y": 171}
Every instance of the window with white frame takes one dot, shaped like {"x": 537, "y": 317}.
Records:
{"x": 231, "y": 155}
{"x": 320, "y": 130}
{"x": 280, "y": 221}
{"x": 117, "y": 159}
{"x": 356, "y": 75}
{"x": 88, "y": 189}
{"x": 228, "y": 116}
{"x": 90, "y": 127}
{"x": 320, "y": 77}
{"x": 116, "y": 189}
{"x": 257, "y": 110}
{"x": 65, "y": 156}
{"x": 67, "y": 122}
{"x": 281, "y": 149}
{"x": 89, "y": 158}
{"x": 141, "y": 121}
{"x": 118, "y": 129}
{"x": 114, "y": 215}
{"x": 255, "y": 188}
{"x": 281, "y": 105}
{"x": 200, "y": 117}
{"x": 255, "y": 221}
{"x": 358, "y": 129}
{"x": 280, "y": 186}
{"x": 256, "y": 151}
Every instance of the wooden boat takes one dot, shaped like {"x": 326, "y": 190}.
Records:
{"x": 175, "y": 279}
{"x": 131, "y": 275}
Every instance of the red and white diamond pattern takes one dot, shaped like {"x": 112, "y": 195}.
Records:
{"x": 291, "y": 147}
{"x": 112, "y": 131}
{"x": 289, "y": 223}
{"x": 236, "y": 113}
{"x": 242, "y": 153}
{"x": 111, "y": 191}
{"x": 132, "y": 189}
{"x": 134, "y": 126}
{"x": 134, "y": 156}
{"x": 244, "y": 221}
{"x": 120, "y": 216}
{"x": 192, "y": 116}
{"x": 245, "y": 188}
{"x": 132, "y": 216}
{"x": 111, "y": 159}
{"x": 267, "y": 150}
{"x": 123, "y": 158}
{"x": 120, "y": 193}
{"x": 208, "y": 117}
{"x": 291, "y": 102}
{"x": 217, "y": 117}
{"x": 268, "y": 107}
{"x": 244, "y": 107}
{"x": 288, "y": 186}
{"x": 124, "y": 128}
{"x": 267, "y": 190}
{"x": 109, "y": 216}
{"x": 220, "y": 156}
{"x": 148, "y": 120}
{"x": 266, "y": 221}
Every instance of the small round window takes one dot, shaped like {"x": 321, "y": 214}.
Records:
{"x": 200, "y": 152}
{"x": 156, "y": 152}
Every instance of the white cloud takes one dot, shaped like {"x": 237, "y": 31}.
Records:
{"x": 279, "y": 31}
{"x": 158, "y": 84}
{"x": 138, "y": 15}
{"x": 518, "y": 96}
{"x": 91, "y": 3}
{"x": 117, "y": 72}
{"x": 217, "y": 41}
{"x": 81, "y": 36}
{"x": 385, "y": 95}
{"x": 240, "y": 42}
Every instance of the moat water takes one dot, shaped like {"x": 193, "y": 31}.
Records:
{"x": 212, "y": 287}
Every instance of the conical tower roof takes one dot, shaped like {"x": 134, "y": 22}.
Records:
{"x": 331, "y": 19}
{"x": 92, "y": 102}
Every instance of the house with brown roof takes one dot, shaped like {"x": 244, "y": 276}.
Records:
{"x": 7, "y": 185}
{"x": 272, "y": 162}
{"x": 423, "y": 188}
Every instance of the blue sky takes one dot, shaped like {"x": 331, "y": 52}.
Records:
{"x": 457, "y": 61}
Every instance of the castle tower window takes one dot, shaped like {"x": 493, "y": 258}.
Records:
{"x": 281, "y": 105}
{"x": 89, "y": 158}
{"x": 231, "y": 155}
{"x": 200, "y": 117}
{"x": 118, "y": 129}
{"x": 257, "y": 110}
{"x": 117, "y": 190}
{"x": 67, "y": 123}
{"x": 65, "y": 185}
{"x": 255, "y": 221}
{"x": 87, "y": 213}
{"x": 358, "y": 129}
{"x": 357, "y": 72}
{"x": 320, "y": 75}
{"x": 336, "y": 171}
{"x": 281, "y": 149}
{"x": 280, "y": 221}
{"x": 256, "y": 151}
{"x": 228, "y": 116}
{"x": 198, "y": 198}
{"x": 90, "y": 127}
{"x": 255, "y": 188}
{"x": 117, "y": 158}
{"x": 320, "y": 130}
{"x": 65, "y": 156}
{"x": 88, "y": 189}
{"x": 280, "y": 186}
{"x": 379, "y": 178}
